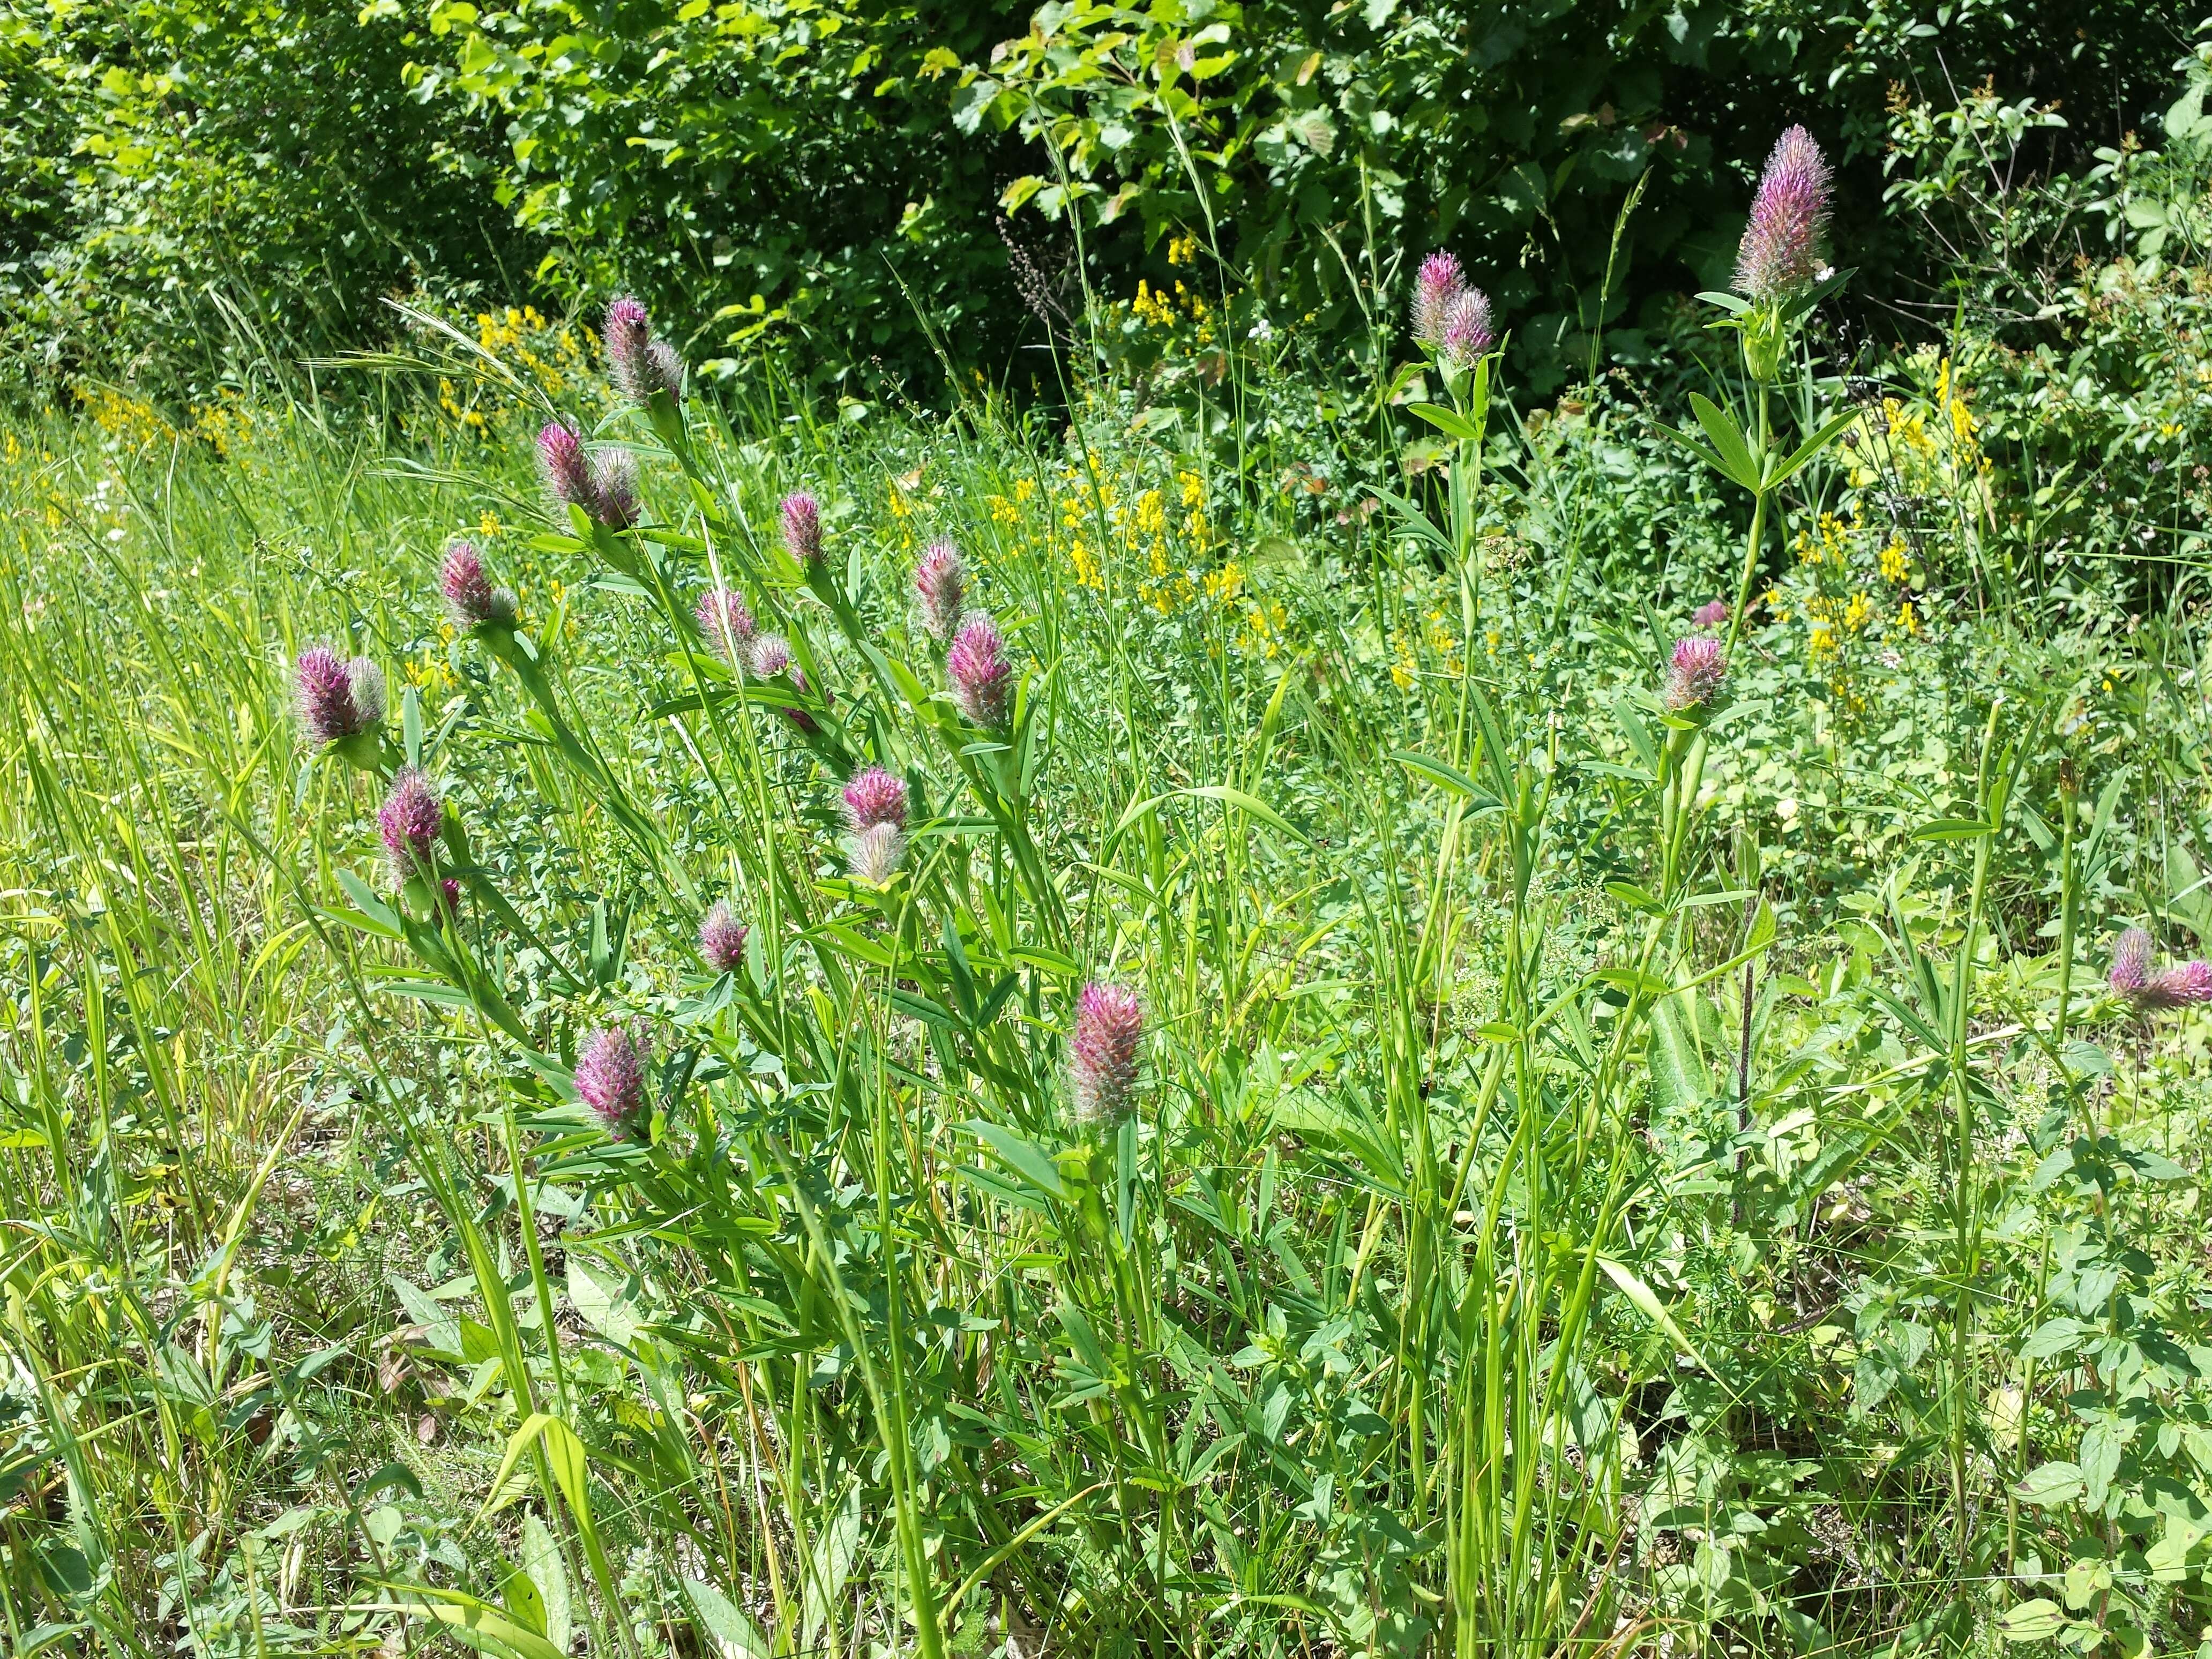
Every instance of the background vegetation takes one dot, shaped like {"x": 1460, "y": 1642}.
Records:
{"x": 853, "y": 189}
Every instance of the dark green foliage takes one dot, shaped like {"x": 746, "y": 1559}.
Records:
{"x": 828, "y": 182}
{"x": 178, "y": 178}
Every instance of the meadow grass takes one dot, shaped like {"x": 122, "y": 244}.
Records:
{"x": 1610, "y": 1166}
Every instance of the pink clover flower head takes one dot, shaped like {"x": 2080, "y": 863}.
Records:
{"x": 802, "y": 528}
{"x": 409, "y": 821}
{"x": 450, "y": 890}
{"x": 940, "y": 583}
{"x": 337, "y": 698}
{"x": 565, "y": 468}
{"x": 874, "y": 854}
{"x": 1468, "y": 334}
{"x": 722, "y": 937}
{"x": 1438, "y": 284}
{"x": 1780, "y": 251}
{"x": 611, "y": 1078}
{"x": 638, "y": 364}
{"x": 1101, "y": 1055}
{"x": 728, "y": 625}
{"x": 982, "y": 677}
{"x": 471, "y": 599}
{"x": 1713, "y": 613}
{"x": 2182, "y": 986}
{"x": 1695, "y": 674}
{"x": 2131, "y": 958}
{"x": 874, "y": 797}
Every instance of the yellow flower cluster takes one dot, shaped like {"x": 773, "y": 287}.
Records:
{"x": 1155, "y": 307}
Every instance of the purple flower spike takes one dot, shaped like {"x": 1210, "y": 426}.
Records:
{"x": 874, "y": 797}
{"x": 2131, "y": 954}
{"x": 1467, "y": 335}
{"x": 728, "y": 626}
{"x": 983, "y": 678}
{"x": 722, "y": 938}
{"x": 629, "y": 333}
{"x": 1714, "y": 613}
{"x": 638, "y": 364}
{"x": 802, "y": 528}
{"x": 1101, "y": 1055}
{"x": 337, "y": 698}
{"x": 1780, "y": 251}
{"x": 409, "y": 821}
{"x": 940, "y": 583}
{"x": 326, "y": 695}
{"x": 1440, "y": 283}
{"x": 471, "y": 599}
{"x": 614, "y": 489}
{"x": 2181, "y": 986}
{"x": 567, "y": 472}
{"x": 611, "y": 1078}
{"x": 1696, "y": 674}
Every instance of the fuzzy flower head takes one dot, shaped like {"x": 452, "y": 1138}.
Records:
{"x": 471, "y": 599}
{"x": 611, "y": 1078}
{"x": 874, "y": 797}
{"x": 2132, "y": 956}
{"x": 1780, "y": 251}
{"x": 728, "y": 626}
{"x": 2182, "y": 986}
{"x": 1467, "y": 335}
{"x": 614, "y": 489}
{"x": 940, "y": 584}
{"x": 409, "y": 821}
{"x": 722, "y": 937}
{"x": 565, "y": 468}
{"x": 337, "y": 699}
{"x": 802, "y": 528}
{"x": 606, "y": 487}
{"x": 771, "y": 659}
{"x": 638, "y": 364}
{"x": 874, "y": 855}
{"x": 982, "y": 677}
{"x": 1101, "y": 1055}
{"x": 1714, "y": 613}
{"x": 1440, "y": 282}
{"x": 1695, "y": 674}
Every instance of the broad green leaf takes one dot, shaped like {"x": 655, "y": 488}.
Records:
{"x": 2032, "y": 1621}
{"x": 1727, "y": 440}
{"x": 728, "y": 1624}
{"x": 1025, "y": 1158}
{"x": 2049, "y": 1484}
{"x": 1953, "y": 830}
